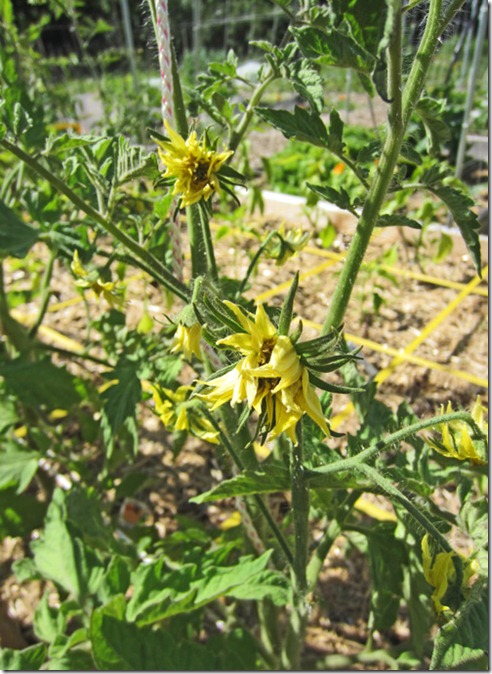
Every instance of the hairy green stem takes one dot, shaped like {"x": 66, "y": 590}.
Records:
{"x": 40, "y": 346}
{"x": 401, "y": 109}
{"x": 152, "y": 264}
{"x": 237, "y": 135}
{"x": 253, "y": 262}
{"x": 333, "y": 530}
{"x": 45, "y": 292}
{"x": 206, "y": 236}
{"x": 369, "y": 453}
{"x": 300, "y": 511}
{"x": 394, "y": 493}
{"x": 280, "y": 538}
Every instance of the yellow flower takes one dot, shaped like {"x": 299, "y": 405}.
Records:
{"x": 284, "y": 246}
{"x": 455, "y": 441}
{"x": 440, "y": 572}
{"x": 178, "y": 413}
{"x": 193, "y": 165}
{"x": 270, "y": 377}
{"x": 90, "y": 280}
{"x": 187, "y": 340}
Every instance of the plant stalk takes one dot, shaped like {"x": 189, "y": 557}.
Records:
{"x": 300, "y": 510}
{"x": 206, "y": 236}
{"x": 367, "y": 454}
{"x": 402, "y": 106}
{"x": 237, "y": 135}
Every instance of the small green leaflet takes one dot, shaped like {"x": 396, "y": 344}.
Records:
{"x": 248, "y": 482}
{"x": 396, "y": 220}
{"x": 300, "y": 124}
{"x": 459, "y": 204}
{"x": 17, "y": 466}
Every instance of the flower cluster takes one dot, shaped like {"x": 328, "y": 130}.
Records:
{"x": 91, "y": 280}
{"x": 440, "y": 572}
{"x": 285, "y": 245}
{"x": 187, "y": 340}
{"x": 193, "y": 166}
{"x": 180, "y": 413}
{"x": 455, "y": 440}
{"x": 269, "y": 377}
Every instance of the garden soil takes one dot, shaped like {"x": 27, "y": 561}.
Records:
{"x": 458, "y": 343}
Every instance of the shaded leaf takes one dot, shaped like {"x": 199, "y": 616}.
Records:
{"x": 19, "y": 513}
{"x": 40, "y": 384}
{"x": 16, "y": 238}
{"x": 17, "y": 466}
{"x": 121, "y": 398}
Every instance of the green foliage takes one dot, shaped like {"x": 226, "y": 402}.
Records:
{"x": 210, "y": 594}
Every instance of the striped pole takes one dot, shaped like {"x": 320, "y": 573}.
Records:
{"x": 167, "y": 106}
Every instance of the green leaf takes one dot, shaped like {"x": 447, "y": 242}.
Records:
{"x": 220, "y": 580}
{"x": 83, "y": 509}
{"x": 460, "y": 205}
{"x": 248, "y": 482}
{"x": 444, "y": 249}
{"x": 187, "y": 588}
{"x": 17, "y": 466}
{"x": 339, "y": 198}
{"x": 19, "y": 513}
{"x": 271, "y": 585}
{"x": 334, "y": 47}
{"x": 62, "y": 557}
{"x": 335, "y": 133}
{"x": 396, "y": 220}
{"x": 28, "y": 660}
{"x": 16, "y": 238}
{"x": 308, "y": 83}
{"x": 463, "y": 643}
{"x": 386, "y": 575}
{"x": 120, "y": 399}
{"x": 430, "y": 112}
{"x": 159, "y": 593}
{"x": 48, "y": 621}
{"x": 40, "y": 384}
{"x": 116, "y": 578}
{"x": 300, "y": 124}
{"x": 119, "y": 645}
{"x": 72, "y": 661}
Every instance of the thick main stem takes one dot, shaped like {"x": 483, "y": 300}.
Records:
{"x": 401, "y": 109}
{"x": 300, "y": 511}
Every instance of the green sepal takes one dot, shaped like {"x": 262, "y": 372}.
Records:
{"x": 231, "y": 174}
{"x": 333, "y": 388}
{"x": 158, "y": 137}
{"x": 288, "y": 307}
{"x": 317, "y": 346}
{"x": 222, "y": 314}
